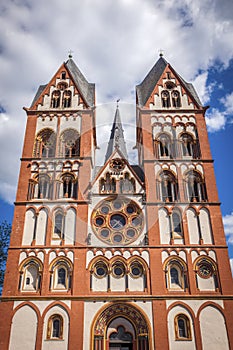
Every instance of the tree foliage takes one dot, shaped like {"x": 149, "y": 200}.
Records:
{"x": 5, "y": 231}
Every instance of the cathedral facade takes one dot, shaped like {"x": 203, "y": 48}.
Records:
{"x": 118, "y": 256}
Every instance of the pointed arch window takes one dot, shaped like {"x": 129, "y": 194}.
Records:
{"x": 58, "y": 231}
{"x": 56, "y": 99}
{"x": 176, "y": 275}
{"x": 55, "y": 327}
{"x": 45, "y": 144}
{"x": 30, "y": 276}
{"x": 168, "y": 187}
{"x": 182, "y": 327}
{"x": 70, "y": 143}
{"x": 195, "y": 187}
{"x": 166, "y": 103}
{"x": 176, "y": 221}
{"x": 66, "y": 99}
{"x": 61, "y": 274}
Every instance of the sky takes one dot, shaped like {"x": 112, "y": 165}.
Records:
{"x": 115, "y": 44}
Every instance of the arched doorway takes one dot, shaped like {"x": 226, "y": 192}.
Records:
{"x": 120, "y": 327}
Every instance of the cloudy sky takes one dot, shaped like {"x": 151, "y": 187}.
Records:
{"x": 115, "y": 44}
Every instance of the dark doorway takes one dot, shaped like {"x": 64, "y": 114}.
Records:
{"x": 120, "y": 346}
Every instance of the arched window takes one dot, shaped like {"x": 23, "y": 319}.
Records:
{"x": 195, "y": 187}
{"x": 61, "y": 274}
{"x": 189, "y": 148}
{"x": 176, "y": 221}
{"x": 30, "y": 276}
{"x": 176, "y": 99}
{"x": 70, "y": 143}
{"x": 66, "y": 99}
{"x": 58, "y": 225}
{"x": 165, "y": 99}
{"x": 182, "y": 327}
{"x": 56, "y": 99}
{"x": 206, "y": 274}
{"x": 176, "y": 275}
{"x": 165, "y": 146}
{"x": 45, "y": 143}
{"x": 168, "y": 187}
{"x": 118, "y": 269}
{"x": 55, "y": 327}
{"x": 69, "y": 186}
{"x": 42, "y": 187}
{"x": 108, "y": 184}
{"x": 127, "y": 185}
{"x": 136, "y": 269}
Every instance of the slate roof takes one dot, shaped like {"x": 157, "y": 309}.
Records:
{"x": 38, "y": 93}
{"x": 116, "y": 141}
{"x": 145, "y": 89}
{"x": 86, "y": 89}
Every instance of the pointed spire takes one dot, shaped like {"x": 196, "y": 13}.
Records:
{"x": 116, "y": 141}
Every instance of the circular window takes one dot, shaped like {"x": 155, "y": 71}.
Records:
{"x": 105, "y": 232}
{"x": 118, "y": 271}
{"x": 100, "y": 270}
{"x": 117, "y": 220}
{"x": 205, "y": 269}
{"x": 104, "y": 209}
{"x": 118, "y": 238}
{"x": 99, "y": 221}
{"x": 136, "y": 270}
{"x": 136, "y": 221}
{"x": 130, "y": 209}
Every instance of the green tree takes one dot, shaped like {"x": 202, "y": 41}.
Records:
{"x": 5, "y": 231}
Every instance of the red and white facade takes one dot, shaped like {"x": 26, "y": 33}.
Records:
{"x": 119, "y": 256}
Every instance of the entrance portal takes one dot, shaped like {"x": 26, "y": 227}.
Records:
{"x": 120, "y": 327}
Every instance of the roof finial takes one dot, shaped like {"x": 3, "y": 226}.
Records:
{"x": 161, "y": 51}
{"x": 70, "y": 53}
{"x": 118, "y": 102}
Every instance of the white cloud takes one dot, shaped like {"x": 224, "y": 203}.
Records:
{"x": 115, "y": 43}
{"x": 228, "y": 226}
{"x": 215, "y": 120}
{"x": 228, "y": 103}
{"x": 231, "y": 264}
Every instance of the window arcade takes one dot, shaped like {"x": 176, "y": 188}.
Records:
{"x": 168, "y": 187}
{"x": 45, "y": 143}
{"x": 195, "y": 187}
{"x": 30, "y": 276}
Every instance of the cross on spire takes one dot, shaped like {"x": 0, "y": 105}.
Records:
{"x": 70, "y": 53}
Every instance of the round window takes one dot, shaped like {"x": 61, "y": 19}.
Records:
{"x": 117, "y": 220}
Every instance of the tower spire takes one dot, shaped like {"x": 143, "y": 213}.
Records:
{"x": 116, "y": 141}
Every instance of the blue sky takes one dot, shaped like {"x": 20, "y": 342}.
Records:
{"x": 115, "y": 43}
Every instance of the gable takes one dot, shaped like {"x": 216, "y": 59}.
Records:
{"x": 67, "y": 82}
{"x": 163, "y": 77}
{"x": 119, "y": 173}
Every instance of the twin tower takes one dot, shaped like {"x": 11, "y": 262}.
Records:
{"x": 121, "y": 256}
